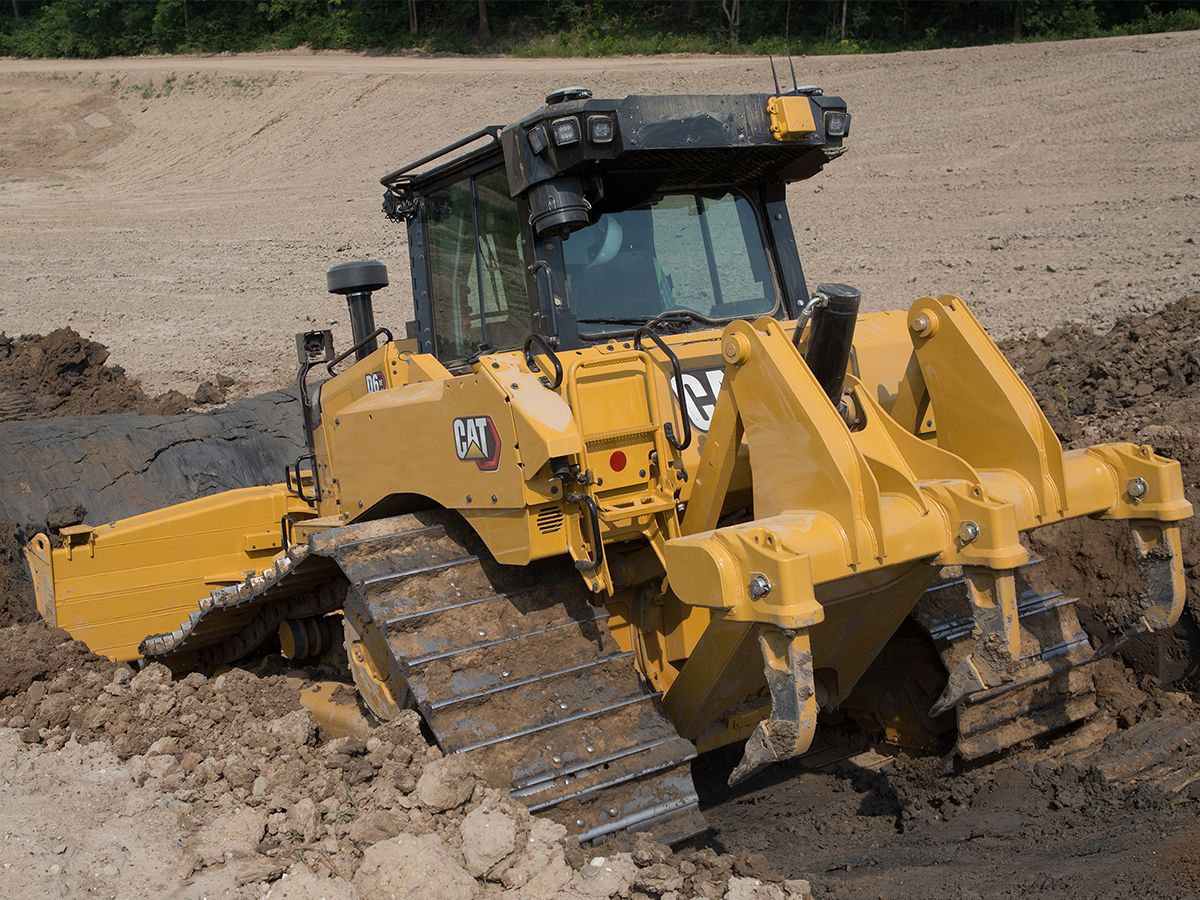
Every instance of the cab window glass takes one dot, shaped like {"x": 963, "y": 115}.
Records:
{"x": 457, "y": 325}
{"x": 508, "y": 317}
{"x": 694, "y": 251}
{"x": 478, "y": 283}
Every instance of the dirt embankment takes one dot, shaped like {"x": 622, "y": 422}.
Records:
{"x": 1140, "y": 382}
{"x": 84, "y": 442}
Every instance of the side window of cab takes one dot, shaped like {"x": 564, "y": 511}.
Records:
{"x": 476, "y": 267}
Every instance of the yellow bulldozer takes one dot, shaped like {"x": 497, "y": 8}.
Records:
{"x": 628, "y": 490}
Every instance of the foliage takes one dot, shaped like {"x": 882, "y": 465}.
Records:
{"x": 91, "y": 28}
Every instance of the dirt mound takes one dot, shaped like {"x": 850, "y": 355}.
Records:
{"x": 65, "y": 374}
{"x": 1132, "y": 373}
{"x": 35, "y": 651}
{"x": 1138, "y": 381}
{"x": 270, "y": 795}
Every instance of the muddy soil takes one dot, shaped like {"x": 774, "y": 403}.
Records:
{"x": 65, "y": 374}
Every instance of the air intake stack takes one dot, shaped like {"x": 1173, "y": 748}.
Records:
{"x": 356, "y": 281}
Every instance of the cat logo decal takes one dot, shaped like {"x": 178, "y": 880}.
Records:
{"x": 476, "y": 439}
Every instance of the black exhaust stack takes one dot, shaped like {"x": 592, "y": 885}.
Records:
{"x": 355, "y": 281}
{"x": 832, "y": 335}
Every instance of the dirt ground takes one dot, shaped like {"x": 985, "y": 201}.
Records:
{"x": 182, "y": 212}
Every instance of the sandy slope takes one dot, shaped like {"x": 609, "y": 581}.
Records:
{"x": 183, "y": 210}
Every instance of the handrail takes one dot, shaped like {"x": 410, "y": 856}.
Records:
{"x": 597, "y": 563}
{"x": 370, "y": 337}
{"x": 549, "y": 353}
{"x": 493, "y": 131}
{"x": 669, "y": 427}
{"x": 296, "y": 486}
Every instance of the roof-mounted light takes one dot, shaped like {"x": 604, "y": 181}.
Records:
{"x": 601, "y": 129}
{"x": 565, "y": 131}
{"x": 837, "y": 123}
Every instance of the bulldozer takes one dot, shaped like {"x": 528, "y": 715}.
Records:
{"x": 628, "y": 490}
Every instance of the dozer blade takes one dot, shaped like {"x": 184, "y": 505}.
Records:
{"x": 512, "y": 665}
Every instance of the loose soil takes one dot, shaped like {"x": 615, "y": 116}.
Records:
{"x": 183, "y": 211}
{"x": 148, "y": 204}
{"x": 65, "y": 374}
{"x": 258, "y": 800}
{"x": 1139, "y": 381}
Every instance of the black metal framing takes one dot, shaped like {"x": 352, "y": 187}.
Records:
{"x": 545, "y": 276}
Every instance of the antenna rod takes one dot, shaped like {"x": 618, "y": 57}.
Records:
{"x": 795, "y": 87}
{"x": 773, "y": 75}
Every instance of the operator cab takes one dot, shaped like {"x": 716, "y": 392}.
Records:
{"x": 591, "y": 218}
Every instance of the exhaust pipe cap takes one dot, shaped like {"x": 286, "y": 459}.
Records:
{"x": 360, "y": 276}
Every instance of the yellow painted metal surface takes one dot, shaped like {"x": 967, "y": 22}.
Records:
{"x": 112, "y": 585}
{"x": 791, "y": 117}
{"x": 783, "y": 607}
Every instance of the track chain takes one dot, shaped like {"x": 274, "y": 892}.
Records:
{"x": 1053, "y": 686}
{"x": 510, "y": 664}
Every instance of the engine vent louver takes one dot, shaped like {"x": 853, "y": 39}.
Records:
{"x": 550, "y": 519}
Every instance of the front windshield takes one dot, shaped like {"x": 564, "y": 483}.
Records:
{"x": 698, "y": 252}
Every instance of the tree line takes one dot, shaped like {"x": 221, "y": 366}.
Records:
{"x": 93, "y": 28}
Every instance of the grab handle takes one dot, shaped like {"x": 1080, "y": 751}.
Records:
{"x": 669, "y": 427}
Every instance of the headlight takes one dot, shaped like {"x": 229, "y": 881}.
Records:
{"x": 565, "y": 131}
{"x": 601, "y": 129}
{"x": 837, "y": 123}
{"x": 537, "y": 138}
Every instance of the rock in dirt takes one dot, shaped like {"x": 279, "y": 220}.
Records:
{"x": 208, "y": 394}
{"x": 753, "y": 889}
{"x": 446, "y": 783}
{"x": 234, "y": 835}
{"x": 377, "y": 825}
{"x": 413, "y": 866}
{"x": 604, "y": 876}
{"x": 305, "y": 885}
{"x": 488, "y": 836}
